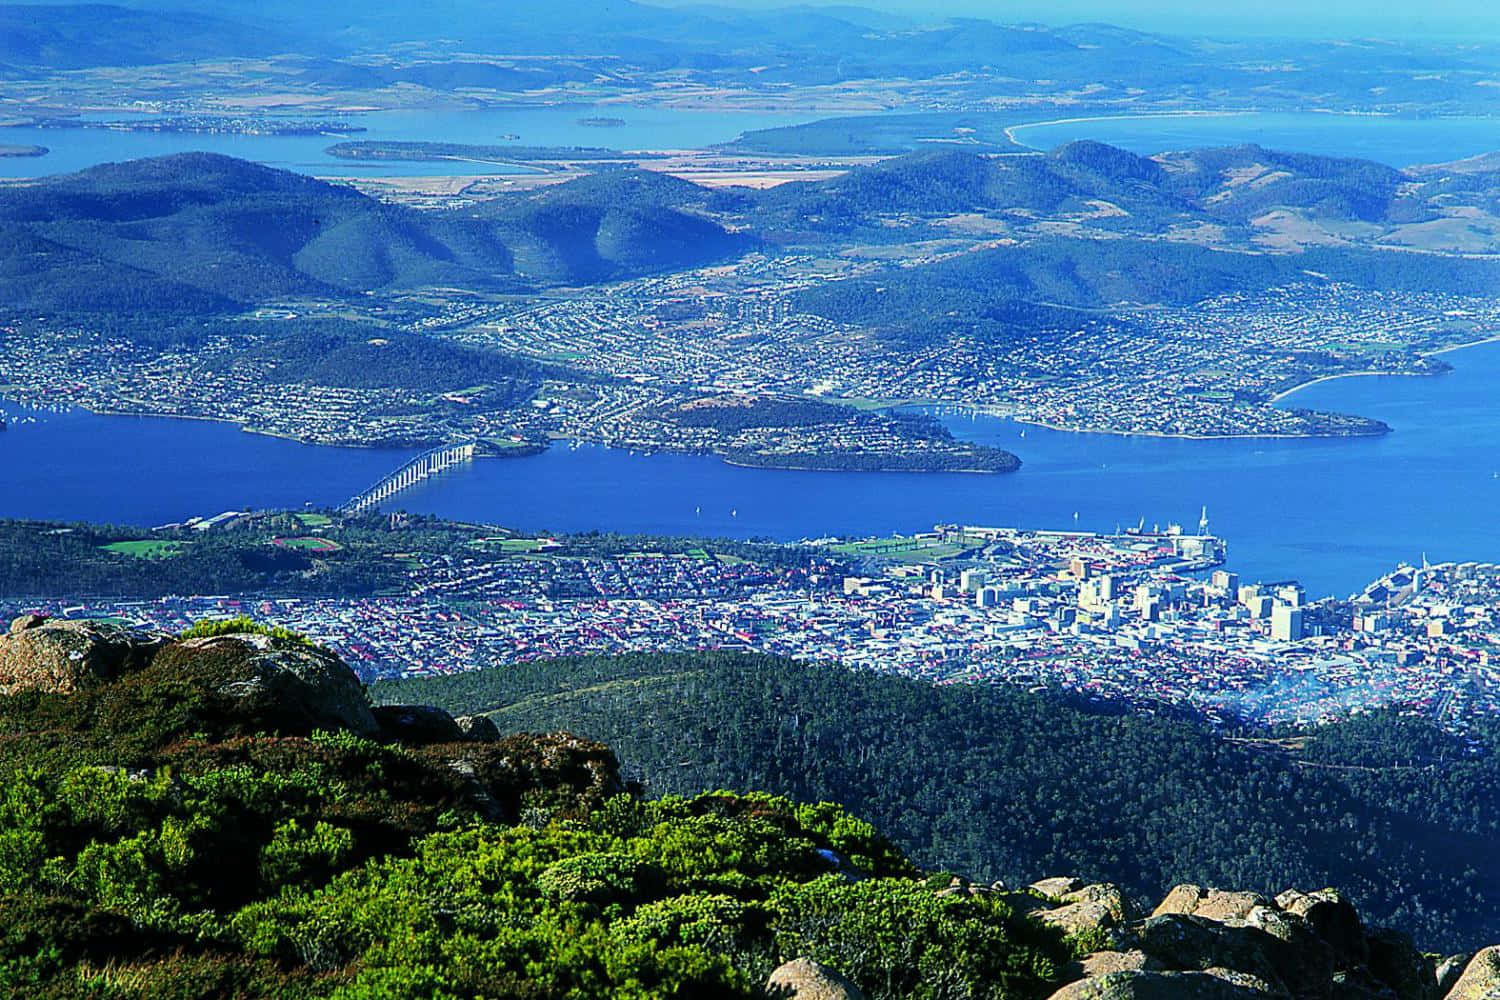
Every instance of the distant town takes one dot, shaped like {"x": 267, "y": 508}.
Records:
{"x": 644, "y": 350}
{"x": 1146, "y": 617}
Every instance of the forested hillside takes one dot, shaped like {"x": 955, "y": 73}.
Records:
{"x": 199, "y": 232}
{"x": 1000, "y": 783}
{"x": 221, "y": 814}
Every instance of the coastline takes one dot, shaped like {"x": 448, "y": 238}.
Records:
{"x": 1495, "y": 338}
{"x": 1200, "y": 437}
{"x": 1009, "y": 130}
{"x": 813, "y": 468}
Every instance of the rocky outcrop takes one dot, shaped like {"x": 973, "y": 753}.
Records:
{"x": 61, "y": 657}
{"x": 417, "y": 725}
{"x": 284, "y": 684}
{"x": 804, "y": 979}
{"x": 1480, "y": 979}
{"x": 1083, "y": 909}
{"x": 1212, "y": 943}
{"x": 478, "y": 728}
{"x": 1157, "y": 986}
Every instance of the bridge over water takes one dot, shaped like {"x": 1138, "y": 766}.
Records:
{"x": 424, "y": 466}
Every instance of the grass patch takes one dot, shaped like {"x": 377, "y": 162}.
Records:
{"x": 314, "y": 520}
{"x": 510, "y": 546}
{"x": 307, "y": 543}
{"x": 912, "y": 550}
{"x": 146, "y": 548}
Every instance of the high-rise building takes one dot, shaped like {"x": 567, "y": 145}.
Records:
{"x": 971, "y": 580}
{"x": 1225, "y": 583}
{"x": 1286, "y": 623}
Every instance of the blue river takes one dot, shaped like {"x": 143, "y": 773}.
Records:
{"x": 1332, "y": 513}
{"x": 1397, "y": 142}
{"x": 643, "y": 128}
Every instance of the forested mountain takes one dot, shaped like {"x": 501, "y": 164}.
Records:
{"x": 999, "y": 783}
{"x": 613, "y": 225}
{"x": 1233, "y": 185}
{"x": 75, "y": 36}
{"x": 201, "y": 232}
{"x": 198, "y": 232}
{"x": 228, "y": 229}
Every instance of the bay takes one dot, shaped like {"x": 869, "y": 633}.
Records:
{"x": 1333, "y": 513}
{"x": 72, "y": 465}
{"x": 1397, "y": 142}
{"x": 643, "y": 128}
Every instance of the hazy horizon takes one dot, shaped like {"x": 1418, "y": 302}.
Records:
{"x": 1336, "y": 18}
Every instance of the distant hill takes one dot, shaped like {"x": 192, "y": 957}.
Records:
{"x": 953, "y": 181}
{"x": 226, "y": 231}
{"x": 199, "y": 231}
{"x": 613, "y": 225}
{"x": 1228, "y": 186}
{"x": 79, "y": 36}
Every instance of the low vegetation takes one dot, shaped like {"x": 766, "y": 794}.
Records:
{"x": 158, "y": 839}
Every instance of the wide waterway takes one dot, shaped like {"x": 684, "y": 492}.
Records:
{"x": 641, "y": 128}
{"x": 1398, "y": 142}
{"x": 1333, "y": 513}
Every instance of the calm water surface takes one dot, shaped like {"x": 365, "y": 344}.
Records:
{"x": 1333, "y": 513}
{"x": 1399, "y": 142}
{"x": 644, "y": 128}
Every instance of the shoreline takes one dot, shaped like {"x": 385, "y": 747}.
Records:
{"x": 1201, "y": 437}
{"x": 1009, "y": 130}
{"x": 919, "y": 472}
{"x": 1494, "y": 338}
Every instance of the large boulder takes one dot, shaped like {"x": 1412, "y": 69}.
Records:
{"x": 1141, "y": 985}
{"x": 23, "y": 622}
{"x": 1481, "y": 977}
{"x": 1448, "y": 971}
{"x": 1397, "y": 964}
{"x": 1086, "y": 908}
{"x": 417, "y": 725}
{"x": 1329, "y": 915}
{"x": 1059, "y": 885}
{"x": 478, "y": 728}
{"x": 1303, "y": 968}
{"x": 61, "y": 657}
{"x": 1102, "y": 963}
{"x": 804, "y": 979}
{"x": 1212, "y": 904}
{"x": 280, "y": 684}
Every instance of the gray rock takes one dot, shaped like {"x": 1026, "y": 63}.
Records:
{"x": 61, "y": 657}
{"x": 1396, "y": 963}
{"x": 417, "y": 725}
{"x": 1302, "y": 968}
{"x": 478, "y": 728}
{"x": 1102, "y": 963}
{"x": 23, "y": 622}
{"x": 1331, "y": 917}
{"x": 1448, "y": 970}
{"x": 1158, "y": 986}
{"x": 804, "y": 979}
{"x": 1083, "y": 907}
{"x": 1228, "y": 907}
{"x": 1211, "y": 904}
{"x": 1181, "y": 899}
{"x": 1058, "y": 886}
{"x": 286, "y": 683}
{"x": 1481, "y": 977}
